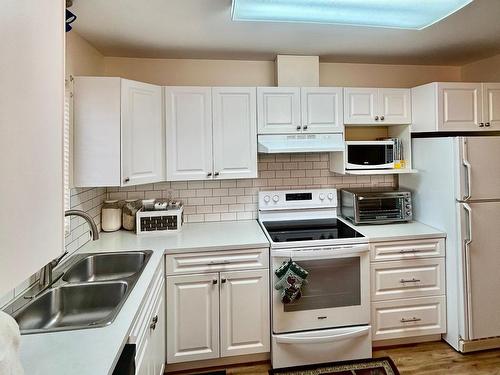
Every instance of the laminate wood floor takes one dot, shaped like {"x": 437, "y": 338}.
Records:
{"x": 435, "y": 358}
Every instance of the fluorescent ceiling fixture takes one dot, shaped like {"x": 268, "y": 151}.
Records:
{"x": 399, "y": 14}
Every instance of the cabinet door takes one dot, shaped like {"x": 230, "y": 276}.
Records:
{"x": 192, "y": 317}
{"x": 278, "y": 110}
{"x": 360, "y": 106}
{"x": 143, "y": 363}
{"x": 188, "y": 133}
{"x": 244, "y": 312}
{"x": 234, "y": 132}
{"x": 143, "y": 148}
{"x": 394, "y": 106}
{"x": 491, "y": 106}
{"x": 460, "y": 107}
{"x": 322, "y": 110}
{"x": 158, "y": 335}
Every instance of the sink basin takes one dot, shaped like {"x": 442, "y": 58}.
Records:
{"x": 105, "y": 267}
{"x": 74, "y": 306}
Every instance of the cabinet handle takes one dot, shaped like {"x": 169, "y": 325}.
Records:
{"x": 153, "y": 326}
{"x": 481, "y": 124}
{"x": 487, "y": 124}
{"x": 409, "y": 251}
{"x": 382, "y": 118}
{"x": 376, "y": 118}
{"x": 155, "y": 319}
{"x": 214, "y": 281}
{"x": 304, "y": 127}
{"x": 299, "y": 127}
{"x": 223, "y": 281}
{"x": 216, "y": 174}
{"x": 406, "y": 320}
{"x": 209, "y": 174}
{"x": 412, "y": 280}
{"x": 126, "y": 179}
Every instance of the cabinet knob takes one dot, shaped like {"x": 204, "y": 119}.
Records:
{"x": 376, "y": 118}
{"x": 126, "y": 179}
{"x": 304, "y": 127}
{"x": 299, "y": 127}
{"x": 223, "y": 280}
{"x": 481, "y": 124}
{"x": 216, "y": 174}
{"x": 214, "y": 281}
{"x": 382, "y": 118}
{"x": 487, "y": 124}
{"x": 152, "y": 326}
{"x": 209, "y": 174}
{"x": 155, "y": 319}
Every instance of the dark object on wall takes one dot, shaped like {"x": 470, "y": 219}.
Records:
{"x": 70, "y": 18}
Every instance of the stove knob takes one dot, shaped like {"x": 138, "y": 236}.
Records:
{"x": 408, "y": 206}
{"x": 330, "y": 196}
{"x": 267, "y": 198}
{"x": 322, "y": 196}
{"x": 276, "y": 199}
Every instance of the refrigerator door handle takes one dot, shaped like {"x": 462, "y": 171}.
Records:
{"x": 467, "y": 242}
{"x": 468, "y": 170}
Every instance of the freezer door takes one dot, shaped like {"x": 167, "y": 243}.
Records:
{"x": 480, "y": 223}
{"x": 479, "y": 168}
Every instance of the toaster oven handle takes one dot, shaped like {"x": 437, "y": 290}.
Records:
{"x": 295, "y": 339}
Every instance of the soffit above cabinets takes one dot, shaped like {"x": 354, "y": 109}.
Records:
{"x": 204, "y": 29}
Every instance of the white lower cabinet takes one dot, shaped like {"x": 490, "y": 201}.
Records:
{"x": 408, "y": 291}
{"x": 217, "y": 314}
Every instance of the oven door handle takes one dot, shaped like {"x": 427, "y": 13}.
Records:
{"x": 294, "y": 339}
{"x": 321, "y": 253}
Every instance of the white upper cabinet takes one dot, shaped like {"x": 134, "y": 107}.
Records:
{"x": 491, "y": 105}
{"x": 360, "y": 105}
{"x": 234, "y": 132}
{"x": 118, "y": 132}
{"x": 211, "y": 133}
{"x": 456, "y": 106}
{"x": 188, "y": 112}
{"x": 278, "y": 110}
{"x": 368, "y": 106}
{"x": 322, "y": 110}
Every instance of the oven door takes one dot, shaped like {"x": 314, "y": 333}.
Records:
{"x": 337, "y": 291}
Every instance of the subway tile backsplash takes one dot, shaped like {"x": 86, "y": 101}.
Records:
{"x": 225, "y": 200}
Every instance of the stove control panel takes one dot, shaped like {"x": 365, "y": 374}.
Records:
{"x": 297, "y": 199}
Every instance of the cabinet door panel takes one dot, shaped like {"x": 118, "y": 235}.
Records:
{"x": 394, "y": 106}
{"x": 459, "y": 107}
{"x": 192, "y": 317}
{"x": 158, "y": 335}
{"x": 360, "y": 105}
{"x": 142, "y": 133}
{"x": 188, "y": 132}
{"x": 322, "y": 110}
{"x": 244, "y": 308}
{"x": 278, "y": 110}
{"x": 491, "y": 106}
{"x": 234, "y": 132}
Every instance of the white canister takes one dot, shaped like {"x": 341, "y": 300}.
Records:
{"x": 111, "y": 216}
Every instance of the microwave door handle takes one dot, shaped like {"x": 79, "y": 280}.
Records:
{"x": 293, "y": 339}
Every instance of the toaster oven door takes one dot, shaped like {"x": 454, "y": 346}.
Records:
{"x": 382, "y": 209}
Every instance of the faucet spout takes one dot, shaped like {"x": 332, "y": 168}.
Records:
{"x": 88, "y": 218}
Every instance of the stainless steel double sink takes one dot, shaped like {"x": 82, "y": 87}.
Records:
{"x": 89, "y": 293}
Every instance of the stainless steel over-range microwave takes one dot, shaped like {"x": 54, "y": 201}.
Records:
{"x": 376, "y": 205}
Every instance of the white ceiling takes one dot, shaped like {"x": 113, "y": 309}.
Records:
{"x": 203, "y": 29}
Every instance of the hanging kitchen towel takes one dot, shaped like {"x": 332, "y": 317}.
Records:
{"x": 291, "y": 277}
{"x": 10, "y": 339}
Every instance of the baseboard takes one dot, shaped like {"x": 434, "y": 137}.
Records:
{"x": 477, "y": 345}
{"x": 217, "y": 362}
{"x": 406, "y": 341}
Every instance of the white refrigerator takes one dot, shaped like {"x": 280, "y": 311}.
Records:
{"x": 457, "y": 190}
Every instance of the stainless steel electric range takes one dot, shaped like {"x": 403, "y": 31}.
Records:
{"x": 331, "y": 319}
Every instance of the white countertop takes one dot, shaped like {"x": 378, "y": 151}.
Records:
{"x": 96, "y": 350}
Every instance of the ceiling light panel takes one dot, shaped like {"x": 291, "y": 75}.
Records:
{"x": 400, "y": 14}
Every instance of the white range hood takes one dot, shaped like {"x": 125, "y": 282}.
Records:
{"x": 282, "y": 143}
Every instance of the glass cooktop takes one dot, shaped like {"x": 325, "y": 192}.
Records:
{"x": 309, "y": 230}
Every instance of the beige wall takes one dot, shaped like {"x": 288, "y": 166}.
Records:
{"x": 82, "y": 58}
{"x": 486, "y": 70}
{"x": 261, "y": 73}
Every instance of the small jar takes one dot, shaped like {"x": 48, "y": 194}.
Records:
{"x": 129, "y": 210}
{"x": 111, "y": 216}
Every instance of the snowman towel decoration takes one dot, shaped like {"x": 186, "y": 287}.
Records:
{"x": 291, "y": 277}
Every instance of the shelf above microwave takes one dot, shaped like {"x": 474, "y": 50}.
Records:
{"x": 380, "y": 171}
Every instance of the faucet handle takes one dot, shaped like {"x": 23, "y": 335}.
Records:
{"x": 56, "y": 261}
